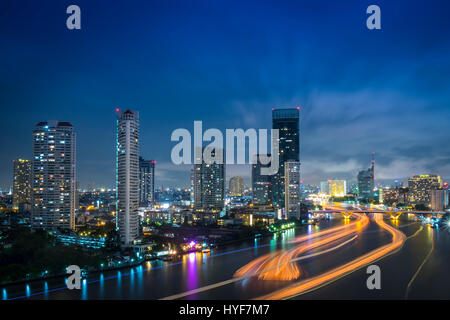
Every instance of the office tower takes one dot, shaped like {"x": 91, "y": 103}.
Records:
{"x": 438, "y": 199}
{"x": 337, "y": 188}
{"x": 237, "y": 186}
{"x": 146, "y": 182}
{"x": 261, "y": 184}
{"x": 292, "y": 189}
{"x": 287, "y": 122}
{"x": 127, "y": 177}
{"x": 420, "y": 187}
{"x": 21, "y": 183}
{"x": 209, "y": 185}
{"x": 324, "y": 187}
{"x": 53, "y": 178}
{"x": 366, "y": 182}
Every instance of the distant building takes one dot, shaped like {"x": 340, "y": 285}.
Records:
{"x": 335, "y": 188}
{"x": 438, "y": 199}
{"x": 366, "y": 183}
{"x": 209, "y": 185}
{"x": 262, "y": 185}
{"x": 237, "y": 186}
{"x": 420, "y": 187}
{"x": 396, "y": 196}
{"x": 127, "y": 177}
{"x": 292, "y": 189}
{"x": 146, "y": 182}
{"x": 53, "y": 178}
{"x": 21, "y": 183}
{"x": 287, "y": 122}
{"x": 324, "y": 187}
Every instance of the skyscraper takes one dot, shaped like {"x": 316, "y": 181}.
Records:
{"x": 53, "y": 178}
{"x": 366, "y": 182}
{"x": 237, "y": 186}
{"x": 262, "y": 185}
{"x": 292, "y": 189}
{"x": 420, "y": 187}
{"x": 287, "y": 122}
{"x": 209, "y": 185}
{"x": 21, "y": 183}
{"x": 146, "y": 182}
{"x": 127, "y": 177}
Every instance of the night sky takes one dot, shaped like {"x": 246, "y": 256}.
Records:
{"x": 228, "y": 63}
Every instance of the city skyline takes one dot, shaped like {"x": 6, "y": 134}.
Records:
{"x": 367, "y": 92}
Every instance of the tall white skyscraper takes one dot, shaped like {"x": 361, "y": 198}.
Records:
{"x": 127, "y": 176}
{"x": 53, "y": 178}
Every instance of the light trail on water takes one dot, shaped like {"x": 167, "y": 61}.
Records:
{"x": 307, "y": 285}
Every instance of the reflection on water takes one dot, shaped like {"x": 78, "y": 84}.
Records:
{"x": 45, "y": 290}
{"x": 131, "y": 287}
{"x": 101, "y": 285}
{"x": 119, "y": 282}
{"x": 191, "y": 261}
{"x": 192, "y": 271}
{"x": 84, "y": 290}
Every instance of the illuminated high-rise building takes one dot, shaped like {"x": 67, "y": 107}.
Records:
{"x": 292, "y": 189}
{"x": 209, "y": 185}
{"x": 146, "y": 182}
{"x": 237, "y": 186}
{"x": 287, "y": 123}
{"x": 420, "y": 187}
{"x": 261, "y": 184}
{"x": 53, "y": 178}
{"x": 21, "y": 183}
{"x": 366, "y": 183}
{"x": 127, "y": 176}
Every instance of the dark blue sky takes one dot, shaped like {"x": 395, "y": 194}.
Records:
{"x": 228, "y": 63}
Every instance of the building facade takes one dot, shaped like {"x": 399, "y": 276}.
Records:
{"x": 53, "y": 176}
{"x": 420, "y": 187}
{"x": 146, "y": 182}
{"x": 335, "y": 188}
{"x": 237, "y": 186}
{"x": 438, "y": 199}
{"x": 287, "y": 123}
{"x": 292, "y": 189}
{"x": 366, "y": 183}
{"x": 21, "y": 183}
{"x": 127, "y": 176}
{"x": 262, "y": 185}
{"x": 209, "y": 185}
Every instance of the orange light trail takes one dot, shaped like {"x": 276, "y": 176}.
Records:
{"x": 398, "y": 238}
{"x": 278, "y": 264}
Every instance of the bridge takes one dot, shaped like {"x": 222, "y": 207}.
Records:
{"x": 347, "y": 213}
